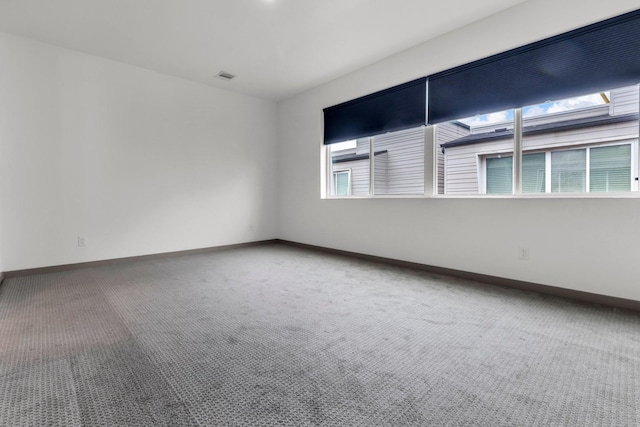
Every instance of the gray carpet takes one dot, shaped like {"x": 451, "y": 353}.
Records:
{"x": 276, "y": 335}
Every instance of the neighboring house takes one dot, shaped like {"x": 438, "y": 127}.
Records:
{"x": 584, "y": 149}
{"x": 398, "y": 165}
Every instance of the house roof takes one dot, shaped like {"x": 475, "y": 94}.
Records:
{"x": 566, "y": 125}
{"x": 353, "y": 157}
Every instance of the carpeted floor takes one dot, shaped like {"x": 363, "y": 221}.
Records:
{"x": 276, "y": 335}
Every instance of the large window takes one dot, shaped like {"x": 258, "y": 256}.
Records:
{"x": 541, "y": 118}
{"x": 583, "y": 144}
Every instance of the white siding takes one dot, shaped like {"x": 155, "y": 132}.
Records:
{"x": 362, "y": 146}
{"x": 625, "y": 100}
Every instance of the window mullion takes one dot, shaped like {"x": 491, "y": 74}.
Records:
{"x": 430, "y": 161}
{"x": 587, "y": 175}
{"x": 547, "y": 173}
{"x": 636, "y": 161}
{"x": 328, "y": 171}
{"x": 517, "y": 151}
{"x": 371, "y": 167}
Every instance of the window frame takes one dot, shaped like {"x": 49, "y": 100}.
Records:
{"x": 431, "y": 171}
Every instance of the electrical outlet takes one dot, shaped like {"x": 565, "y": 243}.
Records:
{"x": 82, "y": 241}
{"x": 523, "y": 253}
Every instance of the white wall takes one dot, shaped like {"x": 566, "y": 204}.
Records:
{"x": 136, "y": 161}
{"x": 584, "y": 244}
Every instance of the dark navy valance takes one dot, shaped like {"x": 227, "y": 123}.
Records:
{"x": 597, "y": 57}
{"x": 397, "y": 108}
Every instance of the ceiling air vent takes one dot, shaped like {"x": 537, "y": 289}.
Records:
{"x": 225, "y": 76}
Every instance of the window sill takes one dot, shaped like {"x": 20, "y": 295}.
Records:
{"x": 630, "y": 195}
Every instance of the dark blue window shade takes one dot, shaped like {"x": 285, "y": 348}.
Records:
{"x": 597, "y": 57}
{"x": 397, "y": 108}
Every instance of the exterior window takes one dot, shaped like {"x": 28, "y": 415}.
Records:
{"x": 610, "y": 168}
{"x": 569, "y": 171}
{"x": 341, "y": 183}
{"x": 349, "y": 174}
{"x": 534, "y": 173}
{"x": 609, "y": 171}
{"x": 500, "y": 175}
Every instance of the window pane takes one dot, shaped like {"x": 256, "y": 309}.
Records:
{"x": 353, "y": 156}
{"x": 500, "y": 175}
{"x": 341, "y": 181}
{"x": 568, "y": 171}
{"x": 463, "y": 144}
{"x": 533, "y": 173}
{"x": 610, "y": 168}
{"x": 399, "y": 162}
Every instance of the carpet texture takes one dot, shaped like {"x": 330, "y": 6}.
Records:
{"x": 275, "y": 335}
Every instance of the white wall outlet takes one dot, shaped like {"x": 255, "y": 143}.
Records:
{"x": 523, "y": 253}
{"x": 82, "y": 241}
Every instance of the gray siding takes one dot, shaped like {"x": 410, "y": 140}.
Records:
{"x": 464, "y": 163}
{"x": 398, "y": 171}
{"x": 446, "y": 132}
{"x": 625, "y": 100}
{"x": 404, "y": 161}
{"x": 380, "y": 173}
{"x": 359, "y": 176}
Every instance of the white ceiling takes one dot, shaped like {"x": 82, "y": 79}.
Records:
{"x": 276, "y": 48}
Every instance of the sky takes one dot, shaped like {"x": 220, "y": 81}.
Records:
{"x": 537, "y": 110}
